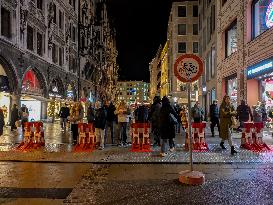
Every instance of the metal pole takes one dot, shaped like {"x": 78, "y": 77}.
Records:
{"x": 190, "y": 129}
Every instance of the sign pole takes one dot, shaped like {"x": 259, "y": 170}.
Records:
{"x": 189, "y": 124}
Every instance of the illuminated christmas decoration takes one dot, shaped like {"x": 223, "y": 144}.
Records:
{"x": 269, "y": 16}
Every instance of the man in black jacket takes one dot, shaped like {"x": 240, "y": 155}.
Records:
{"x": 100, "y": 123}
{"x": 64, "y": 113}
{"x": 214, "y": 117}
{"x": 110, "y": 120}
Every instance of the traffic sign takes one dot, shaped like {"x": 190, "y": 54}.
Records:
{"x": 188, "y": 68}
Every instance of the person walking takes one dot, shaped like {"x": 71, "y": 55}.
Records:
{"x": 76, "y": 117}
{"x": 227, "y": 111}
{"x": 64, "y": 114}
{"x": 243, "y": 114}
{"x": 24, "y": 113}
{"x": 154, "y": 118}
{"x": 123, "y": 112}
{"x": 214, "y": 117}
{"x": 110, "y": 121}
{"x": 197, "y": 113}
{"x": 100, "y": 123}
{"x": 90, "y": 114}
{"x": 168, "y": 118}
{"x": 264, "y": 112}
{"x": 14, "y": 117}
{"x": 2, "y": 121}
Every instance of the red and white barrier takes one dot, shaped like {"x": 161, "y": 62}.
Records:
{"x": 198, "y": 137}
{"x": 141, "y": 137}
{"x": 86, "y": 141}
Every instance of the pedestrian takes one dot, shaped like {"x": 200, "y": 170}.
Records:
{"x": 197, "y": 113}
{"x": 168, "y": 118}
{"x": 100, "y": 123}
{"x": 227, "y": 112}
{"x": 24, "y": 113}
{"x": 184, "y": 117}
{"x": 2, "y": 121}
{"x": 214, "y": 117}
{"x": 76, "y": 117}
{"x": 141, "y": 113}
{"x": 263, "y": 111}
{"x": 123, "y": 112}
{"x": 110, "y": 120}
{"x": 257, "y": 113}
{"x": 155, "y": 119}
{"x": 64, "y": 114}
{"x": 90, "y": 114}
{"x": 14, "y": 117}
{"x": 243, "y": 114}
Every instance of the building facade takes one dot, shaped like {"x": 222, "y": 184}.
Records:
{"x": 183, "y": 37}
{"x": 41, "y": 59}
{"x": 133, "y": 92}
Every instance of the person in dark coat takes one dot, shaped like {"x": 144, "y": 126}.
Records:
{"x": 155, "y": 119}
{"x": 2, "y": 121}
{"x": 168, "y": 119}
{"x": 64, "y": 114}
{"x": 141, "y": 113}
{"x": 24, "y": 113}
{"x": 14, "y": 117}
{"x": 244, "y": 113}
{"x": 214, "y": 117}
{"x": 110, "y": 120}
{"x": 100, "y": 123}
{"x": 90, "y": 114}
{"x": 197, "y": 113}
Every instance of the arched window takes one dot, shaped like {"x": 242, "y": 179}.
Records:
{"x": 262, "y": 16}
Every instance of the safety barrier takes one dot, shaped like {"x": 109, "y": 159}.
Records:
{"x": 86, "y": 141}
{"x": 33, "y": 136}
{"x": 252, "y": 137}
{"x": 140, "y": 133}
{"x": 198, "y": 137}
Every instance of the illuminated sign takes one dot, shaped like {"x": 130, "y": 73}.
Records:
{"x": 261, "y": 68}
{"x": 269, "y": 16}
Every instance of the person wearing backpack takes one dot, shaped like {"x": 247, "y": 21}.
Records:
{"x": 243, "y": 114}
{"x": 197, "y": 113}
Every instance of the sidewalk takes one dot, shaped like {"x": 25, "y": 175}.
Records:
{"x": 59, "y": 149}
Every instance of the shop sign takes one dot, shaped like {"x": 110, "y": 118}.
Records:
{"x": 260, "y": 69}
{"x": 269, "y": 16}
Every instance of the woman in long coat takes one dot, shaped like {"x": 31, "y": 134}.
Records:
{"x": 227, "y": 111}
{"x": 167, "y": 125}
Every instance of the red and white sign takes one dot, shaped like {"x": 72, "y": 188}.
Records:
{"x": 188, "y": 68}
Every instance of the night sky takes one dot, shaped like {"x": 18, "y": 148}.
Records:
{"x": 141, "y": 26}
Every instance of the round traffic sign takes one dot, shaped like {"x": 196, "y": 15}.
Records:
{"x": 188, "y": 68}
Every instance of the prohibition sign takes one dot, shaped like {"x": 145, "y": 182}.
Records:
{"x": 188, "y": 68}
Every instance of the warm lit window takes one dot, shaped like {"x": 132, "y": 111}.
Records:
{"x": 262, "y": 16}
{"x": 231, "y": 39}
{"x": 5, "y": 23}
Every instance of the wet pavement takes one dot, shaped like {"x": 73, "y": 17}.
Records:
{"x": 38, "y": 183}
{"x": 158, "y": 184}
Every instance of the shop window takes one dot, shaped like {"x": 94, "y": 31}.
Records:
{"x": 182, "y": 29}
{"x": 29, "y": 38}
{"x": 182, "y": 11}
{"x": 262, "y": 16}
{"x": 231, "y": 39}
{"x": 39, "y": 4}
{"x": 39, "y": 44}
{"x": 54, "y": 54}
{"x": 182, "y": 47}
{"x": 195, "y": 29}
{"x": 5, "y": 23}
{"x": 195, "y": 11}
{"x": 61, "y": 56}
{"x": 195, "y": 48}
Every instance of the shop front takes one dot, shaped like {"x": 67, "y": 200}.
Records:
{"x": 232, "y": 89}
{"x": 5, "y": 98}
{"x": 32, "y": 96}
{"x": 260, "y": 83}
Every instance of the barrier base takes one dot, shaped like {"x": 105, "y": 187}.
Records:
{"x": 84, "y": 148}
{"x": 191, "y": 177}
{"x": 29, "y": 146}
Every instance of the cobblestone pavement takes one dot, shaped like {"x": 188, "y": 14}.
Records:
{"x": 38, "y": 183}
{"x": 158, "y": 184}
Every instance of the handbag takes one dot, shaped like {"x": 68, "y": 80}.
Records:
{"x": 173, "y": 119}
{"x": 234, "y": 122}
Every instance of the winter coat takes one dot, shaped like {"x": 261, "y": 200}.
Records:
{"x": 167, "y": 128}
{"x": 214, "y": 112}
{"x": 226, "y": 113}
{"x": 90, "y": 114}
{"x": 141, "y": 114}
{"x": 100, "y": 118}
{"x": 111, "y": 113}
{"x": 197, "y": 113}
{"x": 243, "y": 113}
{"x": 14, "y": 116}
{"x": 64, "y": 112}
{"x": 155, "y": 115}
{"x": 264, "y": 113}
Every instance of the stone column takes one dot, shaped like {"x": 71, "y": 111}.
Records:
{"x": 15, "y": 99}
{"x": 44, "y": 110}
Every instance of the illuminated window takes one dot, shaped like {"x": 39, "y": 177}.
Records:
{"x": 231, "y": 39}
